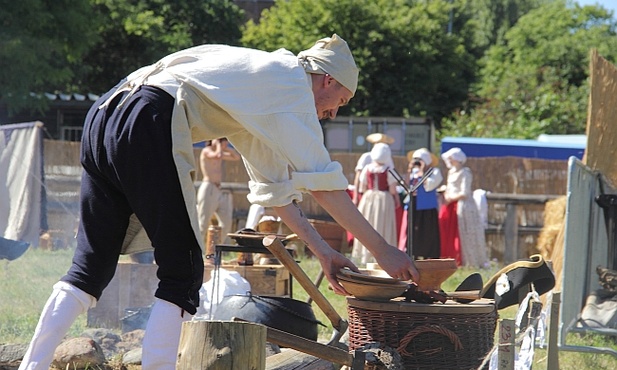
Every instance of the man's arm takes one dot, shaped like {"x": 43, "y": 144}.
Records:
{"x": 356, "y": 188}
{"x": 395, "y": 262}
{"x": 230, "y": 154}
{"x": 331, "y": 261}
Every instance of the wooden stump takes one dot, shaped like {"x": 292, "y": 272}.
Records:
{"x": 222, "y": 345}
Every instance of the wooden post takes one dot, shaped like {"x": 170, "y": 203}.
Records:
{"x": 213, "y": 237}
{"x": 505, "y": 351}
{"x": 511, "y": 253}
{"x": 552, "y": 350}
{"x": 222, "y": 345}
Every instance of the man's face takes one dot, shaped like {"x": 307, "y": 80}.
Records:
{"x": 329, "y": 97}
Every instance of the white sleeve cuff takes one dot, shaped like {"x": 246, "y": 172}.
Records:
{"x": 273, "y": 194}
{"x": 331, "y": 178}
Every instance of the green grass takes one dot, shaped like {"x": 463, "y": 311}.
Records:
{"x": 26, "y": 283}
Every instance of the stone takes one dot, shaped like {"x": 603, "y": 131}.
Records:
{"x": 79, "y": 353}
{"x": 132, "y": 357}
{"x": 106, "y": 338}
{"x": 11, "y": 355}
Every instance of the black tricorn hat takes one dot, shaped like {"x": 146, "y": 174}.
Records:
{"x": 516, "y": 280}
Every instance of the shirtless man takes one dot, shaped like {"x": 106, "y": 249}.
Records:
{"x": 210, "y": 199}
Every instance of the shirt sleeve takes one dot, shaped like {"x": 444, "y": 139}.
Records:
{"x": 434, "y": 180}
{"x": 363, "y": 161}
{"x": 391, "y": 178}
{"x": 467, "y": 179}
{"x": 284, "y": 155}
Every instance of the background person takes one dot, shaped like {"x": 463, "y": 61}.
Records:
{"x": 137, "y": 154}
{"x": 365, "y": 159}
{"x": 466, "y": 243}
{"x": 379, "y": 200}
{"x": 426, "y": 242}
{"x": 211, "y": 200}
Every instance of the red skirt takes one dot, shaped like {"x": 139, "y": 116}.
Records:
{"x": 448, "y": 229}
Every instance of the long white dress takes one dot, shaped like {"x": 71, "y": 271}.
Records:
{"x": 377, "y": 206}
{"x": 470, "y": 226}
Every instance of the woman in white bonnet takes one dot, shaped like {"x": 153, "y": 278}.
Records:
{"x": 425, "y": 234}
{"x": 462, "y": 232}
{"x": 379, "y": 200}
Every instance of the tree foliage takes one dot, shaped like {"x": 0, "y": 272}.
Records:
{"x": 536, "y": 82}
{"x": 139, "y": 32}
{"x": 40, "y": 44}
{"x": 493, "y": 18}
{"x": 409, "y": 64}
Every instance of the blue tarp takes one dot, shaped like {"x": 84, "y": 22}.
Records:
{"x": 488, "y": 147}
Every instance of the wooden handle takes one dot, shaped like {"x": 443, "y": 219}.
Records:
{"x": 275, "y": 247}
{"x": 329, "y": 353}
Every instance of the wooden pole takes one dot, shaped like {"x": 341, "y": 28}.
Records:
{"x": 275, "y": 246}
{"x": 222, "y": 345}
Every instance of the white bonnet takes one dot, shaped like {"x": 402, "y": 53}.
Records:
{"x": 381, "y": 153}
{"x": 424, "y": 155}
{"x": 454, "y": 153}
{"x": 331, "y": 55}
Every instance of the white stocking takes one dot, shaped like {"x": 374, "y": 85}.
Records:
{"x": 162, "y": 337}
{"x": 65, "y": 303}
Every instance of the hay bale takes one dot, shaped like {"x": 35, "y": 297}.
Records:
{"x": 551, "y": 238}
{"x": 554, "y": 217}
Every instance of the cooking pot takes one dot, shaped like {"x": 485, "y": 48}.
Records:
{"x": 283, "y": 313}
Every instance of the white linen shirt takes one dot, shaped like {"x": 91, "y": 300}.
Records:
{"x": 261, "y": 102}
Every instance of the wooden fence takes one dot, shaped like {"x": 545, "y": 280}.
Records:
{"x": 518, "y": 188}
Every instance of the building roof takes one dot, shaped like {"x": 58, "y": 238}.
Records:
{"x": 59, "y": 96}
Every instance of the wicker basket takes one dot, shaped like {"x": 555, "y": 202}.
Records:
{"x": 427, "y": 336}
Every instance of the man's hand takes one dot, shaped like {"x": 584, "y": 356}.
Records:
{"x": 395, "y": 262}
{"x": 331, "y": 263}
{"x": 398, "y": 265}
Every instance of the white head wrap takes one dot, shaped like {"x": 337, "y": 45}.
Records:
{"x": 381, "y": 153}
{"x": 424, "y": 155}
{"x": 455, "y": 153}
{"x": 331, "y": 55}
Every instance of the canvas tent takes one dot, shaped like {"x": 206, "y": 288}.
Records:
{"x": 22, "y": 191}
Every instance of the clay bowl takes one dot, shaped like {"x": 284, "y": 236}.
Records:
{"x": 367, "y": 276}
{"x": 376, "y": 273}
{"x": 433, "y": 272}
{"x": 373, "y": 291}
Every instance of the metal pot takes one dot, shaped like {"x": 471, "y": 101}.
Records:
{"x": 283, "y": 313}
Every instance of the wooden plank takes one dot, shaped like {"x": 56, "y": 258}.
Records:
{"x": 505, "y": 351}
{"x": 552, "y": 362}
{"x": 291, "y": 359}
{"x": 521, "y": 198}
{"x": 602, "y": 110}
{"x": 312, "y": 348}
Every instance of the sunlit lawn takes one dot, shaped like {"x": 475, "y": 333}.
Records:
{"x": 26, "y": 283}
